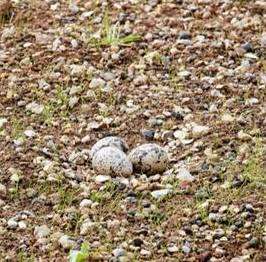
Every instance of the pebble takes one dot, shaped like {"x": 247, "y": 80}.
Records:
{"x": 148, "y": 134}
{"x": 109, "y": 141}
{"x": 101, "y": 179}
{"x": 184, "y": 35}
{"x": 30, "y": 133}
{"x": 145, "y": 253}
{"x": 41, "y": 231}
{"x": 12, "y": 223}
{"x": 97, "y": 82}
{"x": 173, "y": 249}
{"x": 214, "y": 217}
{"x": 66, "y": 242}
{"x": 3, "y": 121}
{"x": 247, "y": 47}
{"x": 73, "y": 101}
{"x": 161, "y": 193}
{"x": 85, "y": 203}
{"x": 227, "y": 118}
{"x": 22, "y": 225}
{"x": 86, "y": 226}
{"x": 186, "y": 248}
{"x": 218, "y": 233}
{"x": 263, "y": 40}
{"x": 149, "y": 158}
{"x": 119, "y": 252}
{"x": 35, "y": 108}
{"x": 2, "y": 189}
{"x": 199, "y": 131}
{"x": 184, "y": 175}
{"x": 111, "y": 161}
{"x": 75, "y": 90}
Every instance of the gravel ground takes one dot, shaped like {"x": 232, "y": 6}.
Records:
{"x": 188, "y": 75}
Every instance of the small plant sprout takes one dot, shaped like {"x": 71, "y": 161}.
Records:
{"x": 79, "y": 255}
{"x": 110, "y": 35}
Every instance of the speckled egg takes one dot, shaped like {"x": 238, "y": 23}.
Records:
{"x": 149, "y": 159}
{"x": 109, "y": 141}
{"x": 111, "y": 161}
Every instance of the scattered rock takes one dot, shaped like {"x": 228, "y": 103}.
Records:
{"x": 161, "y": 193}
{"x": 101, "y": 179}
{"x": 12, "y": 223}
{"x": 173, "y": 249}
{"x": 184, "y": 175}
{"x": 3, "y": 121}
{"x": 199, "y": 131}
{"x": 41, "y": 231}
{"x": 35, "y": 108}
{"x": 184, "y": 35}
{"x": 148, "y": 134}
{"x": 97, "y": 83}
{"x": 66, "y": 242}
{"x": 119, "y": 252}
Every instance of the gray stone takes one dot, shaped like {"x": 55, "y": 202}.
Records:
{"x": 66, "y": 242}
{"x": 161, "y": 193}
{"x": 97, "y": 82}
{"x": 101, "y": 179}
{"x": 184, "y": 35}
{"x": 184, "y": 175}
{"x": 12, "y": 223}
{"x": 41, "y": 231}
{"x": 119, "y": 252}
{"x": 35, "y": 108}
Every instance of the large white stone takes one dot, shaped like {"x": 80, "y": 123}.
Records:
{"x": 149, "y": 158}
{"x": 111, "y": 161}
{"x": 109, "y": 141}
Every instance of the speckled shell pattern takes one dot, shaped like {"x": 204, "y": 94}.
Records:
{"x": 111, "y": 161}
{"x": 109, "y": 141}
{"x": 149, "y": 158}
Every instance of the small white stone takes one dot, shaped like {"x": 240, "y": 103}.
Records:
{"x": 15, "y": 178}
{"x": 173, "y": 249}
{"x": 86, "y": 226}
{"x": 227, "y": 118}
{"x": 2, "y": 189}
{"x": 35, "y": 108}
{"x": 119, "y": 252}
{"x": 73, "y": 101}
{"x": 85, "y": 203}
{"x": 145, "y": 253}
{"x": 66, "y": 242}
{"x": 243, "y": 136}
{"x": 101, "y": 179}
{"x": 3, "y": 121}
{"x": 12, "y": 223}
{"x": 184, "y": 175}
{"x": 22, "y": 225}
{"x": 161, "y": 193}
{"x": 41, "y": 231}
{"x": 85, "y": 139}
{"x": 199, "y": 131}
{"x": 29, "y": 133}
{"x": 75, "y": 90}
{"x": 97, "y": 82}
